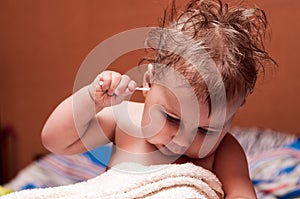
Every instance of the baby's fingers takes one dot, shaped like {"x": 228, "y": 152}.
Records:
{"x": 125, "y": 87}
{"x": 110, "y": 81}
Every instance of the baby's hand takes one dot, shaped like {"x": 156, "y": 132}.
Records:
{"x": 111, "y": 88}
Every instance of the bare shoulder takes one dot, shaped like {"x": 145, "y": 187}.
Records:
{"x": 128, "y": 110}
{"x": 229, "y": 141}
{"x": 121, "y": 110}
{"x": 135, "y": 107}
{"x": 123, "y": 115}
{"x": 230, "y": 154}
{"x": 231, "y": 167}
{"x": 230, "y": 149}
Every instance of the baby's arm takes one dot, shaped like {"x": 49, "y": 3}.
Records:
{"x": 84, "y": 120}
{"x": 231, "y": 167}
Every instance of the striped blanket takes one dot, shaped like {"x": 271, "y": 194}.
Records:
{"x": 276, "y": 173}
{"x": 274, "y": 162}
{"x": 53, "y": 170}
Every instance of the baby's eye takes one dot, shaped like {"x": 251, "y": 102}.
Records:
{"x": 172, "y": 119}
{"x": 204, "y": 131}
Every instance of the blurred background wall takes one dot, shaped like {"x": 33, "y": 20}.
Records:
{"x": 43, "y": 44}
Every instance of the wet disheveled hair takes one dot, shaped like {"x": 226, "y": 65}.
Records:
{"x": 233, "y": 37}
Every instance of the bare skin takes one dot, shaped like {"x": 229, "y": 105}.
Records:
{"x": 161, "y": 130}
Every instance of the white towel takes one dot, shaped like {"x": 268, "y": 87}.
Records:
{"x": 131, "y": 180}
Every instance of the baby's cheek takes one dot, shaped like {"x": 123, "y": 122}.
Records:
{"x": 152, "y": 123}
{"x": 194, "y": 148}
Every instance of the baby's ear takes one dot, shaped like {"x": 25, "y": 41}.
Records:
{"x": 148, "y": 77}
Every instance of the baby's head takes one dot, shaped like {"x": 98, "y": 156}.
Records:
{"x": 209, "y": 31}
{"x": 215, "y": 53}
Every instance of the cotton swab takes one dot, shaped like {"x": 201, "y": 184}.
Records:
{"x": 142, "y": 89}
{"x": 137, "y": 88}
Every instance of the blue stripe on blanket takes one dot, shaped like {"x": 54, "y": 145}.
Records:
{"x": 292, "y": 195}
{"x": 296, "y": 144}
{"x": 100, "y": 155}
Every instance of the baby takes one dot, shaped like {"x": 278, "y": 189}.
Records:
{"x": 204, "y": 64}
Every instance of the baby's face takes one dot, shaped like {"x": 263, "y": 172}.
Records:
{"x": 176, "y": 123}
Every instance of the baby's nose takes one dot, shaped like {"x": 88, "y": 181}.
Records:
{"x": 183, "y": 139}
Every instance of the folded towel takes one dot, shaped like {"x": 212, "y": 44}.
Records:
{"x": 131, "y": 180}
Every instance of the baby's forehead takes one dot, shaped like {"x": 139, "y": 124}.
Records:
{"x": 192, "y": 98}
{"x": 185, "y": 81}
